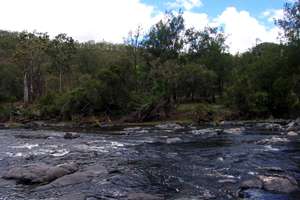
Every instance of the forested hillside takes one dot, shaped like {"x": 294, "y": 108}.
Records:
{"x": 149, "y": 75}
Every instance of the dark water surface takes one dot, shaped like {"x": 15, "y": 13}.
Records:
{"x": 168, "y": 163}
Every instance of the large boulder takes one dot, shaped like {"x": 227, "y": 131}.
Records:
{"x": 39, "y": 173}
{"x": 275, "y": 183}
{"x": 281, "y": 184}
{"x": 252, "y": 183}
{"x": 71, "y": 179}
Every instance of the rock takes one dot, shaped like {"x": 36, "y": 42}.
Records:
{"x": 270, "y": 126}
{"x": 203, "y": 131}
{"x": 70, "y": 135}
{"x": 143, "y": 196}
{"x": 173, "y": 140}
{"x": 272, "y": 169}
{"x": 292, "y": 133}
{"x": 13, "y": 125}
{"x": 236, "y": 131}
{"x": 73, "y": 196}
{"x": 39, "y": 173}
{"x": 169, "y": 126}
{"x": 281, "y": 184}
{"x": 35, "y": 124}
{"x": 231, "y": 123}
{"x": 227, "y": 181}
{"x": 293, "y": 125}
{"x": 273, "y": 140}
{"x": 32, "y": 136}
{"x": 71, "y": 179}
{"x": 253, "y": 183}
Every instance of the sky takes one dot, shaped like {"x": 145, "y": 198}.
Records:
{"x": 245, "y": 22}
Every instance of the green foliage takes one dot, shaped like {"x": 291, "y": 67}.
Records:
{"x": 10, "y": 83}
{"x": 170, "y": 63}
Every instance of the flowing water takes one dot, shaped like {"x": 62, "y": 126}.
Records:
{"x": 153, "y": 162}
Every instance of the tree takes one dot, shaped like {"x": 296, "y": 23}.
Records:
{"x": 291, "y": 20}
{"x": 163, "y": 46}
{"x": 165, "y": 41}
{"x": 62, "y": 50}
{"x": 31, "y": 55}
{"x": 208, "y": 48}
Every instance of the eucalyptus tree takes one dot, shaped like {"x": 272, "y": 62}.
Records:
{"x": 62, "y": 50}
{"x": 31, "y": 55}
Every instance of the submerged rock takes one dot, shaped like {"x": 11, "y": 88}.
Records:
{"x": 70, "y": 135}
{"x": 39, "y": 173}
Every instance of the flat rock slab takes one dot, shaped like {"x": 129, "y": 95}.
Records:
{"x": 71, "y": 179}
{"x": 276, "y": 183}
{"x": 39, "y": 173}
{"x": 281, "y": 184}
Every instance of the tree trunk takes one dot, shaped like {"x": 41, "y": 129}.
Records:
{"x": 60, "y": 80}
{"x": 26, "y": 90}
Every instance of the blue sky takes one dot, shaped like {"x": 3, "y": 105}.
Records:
{"x": 215, "y": 7}
{"x": 256, "y": 17}
{"x": 244, "y": 21}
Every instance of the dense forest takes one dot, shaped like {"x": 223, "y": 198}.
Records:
{"x": 150, "y": 75}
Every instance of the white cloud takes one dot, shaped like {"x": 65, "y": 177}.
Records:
{"x": 110, "y": 20}
{"x": 196, "y": 20}
{"x": 243, "y": 30}
{"x": 185, "y": 4}
{"x": 273, "y": 14}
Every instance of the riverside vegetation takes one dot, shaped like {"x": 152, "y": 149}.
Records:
{"x": 171, "y": 72}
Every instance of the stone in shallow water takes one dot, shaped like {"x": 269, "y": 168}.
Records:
{"x": 70, "y": 135}
{"x": 270, "y": 126}
{"x": 292, "y": 133}
{"x": 236, "y": 131}
{"x": 169, "y": 126}
{"x": 273, "y": 140}
{"x": 173, "y": 140}
{"x": 39, "y": 173}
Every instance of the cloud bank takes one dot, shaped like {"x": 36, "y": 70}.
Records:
{"x": 111, "y": 20}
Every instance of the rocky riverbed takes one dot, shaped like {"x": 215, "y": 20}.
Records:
{"x": 168, "y": 161}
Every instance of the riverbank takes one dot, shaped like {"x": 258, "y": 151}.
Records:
{"x": 19, "y": 116}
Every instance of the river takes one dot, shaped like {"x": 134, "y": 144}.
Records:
{"x": 162, "y": 162}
